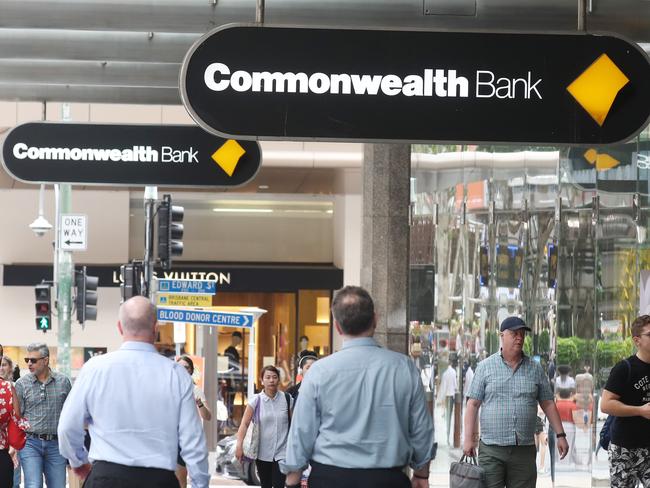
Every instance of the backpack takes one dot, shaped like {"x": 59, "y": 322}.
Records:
{"x": 606, "y": 430}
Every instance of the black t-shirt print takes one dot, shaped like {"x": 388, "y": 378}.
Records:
{"x": 633, "y": 386}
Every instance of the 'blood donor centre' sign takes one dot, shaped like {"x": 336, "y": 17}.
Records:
{"x": 106, "y": 154}
{"x": 375, "y": 85}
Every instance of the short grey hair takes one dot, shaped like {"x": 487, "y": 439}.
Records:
{"x": 138, "y": 315}
{"x": 39, "y": 347}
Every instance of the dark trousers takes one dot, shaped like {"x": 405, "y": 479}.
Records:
{"x": 270, "y": 475}
{"x": 6, "y": 469}
{"x": 112, "y": 475}
{"x": 324, "y": 476}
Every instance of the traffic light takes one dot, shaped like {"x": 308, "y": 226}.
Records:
{"x": 131, "y": 280}
{"x": 170, "y": 231}
{"x": 86, "y": 300}
{"x": 43, "y": 307}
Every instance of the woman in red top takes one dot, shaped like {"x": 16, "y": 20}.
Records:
{"x": 9, "y": 408}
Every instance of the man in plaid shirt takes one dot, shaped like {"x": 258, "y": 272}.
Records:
{"x": 508, "y": 386}
{"x": 42, "y": 393}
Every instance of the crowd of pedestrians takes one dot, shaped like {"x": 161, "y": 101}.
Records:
{"x": 357, "y": 418}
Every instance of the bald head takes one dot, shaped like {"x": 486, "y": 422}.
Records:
{"x": 138, "y": 318}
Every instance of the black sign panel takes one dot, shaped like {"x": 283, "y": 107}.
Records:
{"x": 177, "y": 156}
{"x": 621, "y": 168}
{"x": 414, "y": 86}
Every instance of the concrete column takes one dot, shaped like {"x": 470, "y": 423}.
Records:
{"x": 385, "y": 239}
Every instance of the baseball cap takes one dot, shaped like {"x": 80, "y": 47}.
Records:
{"x": 514, "y": 323}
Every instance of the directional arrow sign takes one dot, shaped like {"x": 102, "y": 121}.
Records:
{"x": 73, "y": 234}
{"x": 203, "y": 287}
{"x": 206, "y": 317}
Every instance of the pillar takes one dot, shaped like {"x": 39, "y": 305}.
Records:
{"x": 385, "y": 239}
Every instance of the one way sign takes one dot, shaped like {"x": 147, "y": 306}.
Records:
{"x": 73, "y": 235}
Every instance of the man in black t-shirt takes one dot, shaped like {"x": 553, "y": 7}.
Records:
{"x": 627, "y": 396}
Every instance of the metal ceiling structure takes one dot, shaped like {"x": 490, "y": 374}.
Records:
{"x": 130, "y": 51}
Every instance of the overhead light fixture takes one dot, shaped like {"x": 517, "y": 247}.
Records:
{"x": 243, "y": 210}
{"x": 322, "y": 310}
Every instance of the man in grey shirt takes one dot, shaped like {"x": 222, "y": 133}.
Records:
{"x": 361, "y": 416}
{"x": 42, "y": 393}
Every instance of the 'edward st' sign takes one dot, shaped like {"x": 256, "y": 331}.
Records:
{"x": 416, "y": 86}
{"x": 106, "y": 154}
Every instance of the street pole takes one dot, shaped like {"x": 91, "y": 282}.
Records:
{"x": 64, "y": 274}
{"x": 64, "y": 281}
{"x": 150, "y": 197}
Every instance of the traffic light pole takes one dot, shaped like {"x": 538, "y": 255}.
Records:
{"x": 64, "y": 281}
{"x": 150, "y": 198}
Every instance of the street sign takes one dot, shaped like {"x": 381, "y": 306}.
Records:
{"x": 289, "y": 83}
{"x": 187, "y": 286}
{"x": 183, "y": 300}
{"x": 205, "y": 317}
{"x": 73, "y": 234}
{"x": 103, "y": 154}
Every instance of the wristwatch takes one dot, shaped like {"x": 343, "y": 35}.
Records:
{"x": 561, "y": 434}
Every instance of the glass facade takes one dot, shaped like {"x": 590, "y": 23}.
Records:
{"x": 554, "y": 235}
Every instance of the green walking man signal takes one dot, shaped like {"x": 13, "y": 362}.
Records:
{"x": 43, "y": 307}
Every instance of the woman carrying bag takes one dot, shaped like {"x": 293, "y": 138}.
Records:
{"x": 12, "y": 431}
{"x": 270, "y": 412}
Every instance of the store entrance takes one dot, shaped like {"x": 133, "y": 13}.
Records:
{"x": 518, "y": 236}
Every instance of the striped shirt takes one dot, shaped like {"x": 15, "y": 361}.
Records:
{"x": 41, "y": 403}
{"x": 509, "y": 399}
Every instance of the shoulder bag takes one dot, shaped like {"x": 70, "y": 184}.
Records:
{"x": 467, "y": 474}
{"x": 252, "y": 438}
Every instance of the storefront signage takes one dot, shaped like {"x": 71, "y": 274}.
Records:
{"x": 228, "y": 277}
{"x": 621, "y": 168}
{"x": 203, "y": 287}
{"x": 415, "y": 86}
{"x": 102, "y": 154}
{"x": 205, "y": 317}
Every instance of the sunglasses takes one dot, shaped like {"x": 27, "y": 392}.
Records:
{"x": 33, "y": 360}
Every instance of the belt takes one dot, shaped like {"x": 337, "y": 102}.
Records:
{"x": 43, "y": 437}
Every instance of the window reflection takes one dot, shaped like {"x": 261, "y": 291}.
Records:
{"x": 523, "y": 234}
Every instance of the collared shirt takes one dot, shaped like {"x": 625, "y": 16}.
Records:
{"x": 509, "y": 399}
{"x": 448, "y": 383}
{"x": 139, "y": 407}
{"x": 274, "y": 425}
{"x": 41, "y": 403}
{"x": 362, "y": 407}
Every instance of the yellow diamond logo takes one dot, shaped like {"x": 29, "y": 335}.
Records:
{"x": 601, "y": 161}
{"x": 228, "y": 156}
{"x": 596, "y": 88}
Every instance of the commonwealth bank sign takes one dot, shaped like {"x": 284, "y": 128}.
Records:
{"x": 290, "y": 83}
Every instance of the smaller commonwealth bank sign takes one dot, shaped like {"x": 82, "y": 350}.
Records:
{"x": 178, "y": 156}
{"x": 415, "y": 86}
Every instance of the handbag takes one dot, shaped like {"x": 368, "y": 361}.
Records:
{"x": 16, "y": 434}
{"x": 252, "y": 438}
{"x": 466, "y": 473}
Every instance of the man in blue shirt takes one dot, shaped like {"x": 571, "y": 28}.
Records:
{"x": 139, "y": 407}
{"x": 508, "y": 386}
{"x": 361, "y": 417}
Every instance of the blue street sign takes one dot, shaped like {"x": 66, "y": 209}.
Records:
{"x": 188, "y": 286}
{"x": 205, "y": 317}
